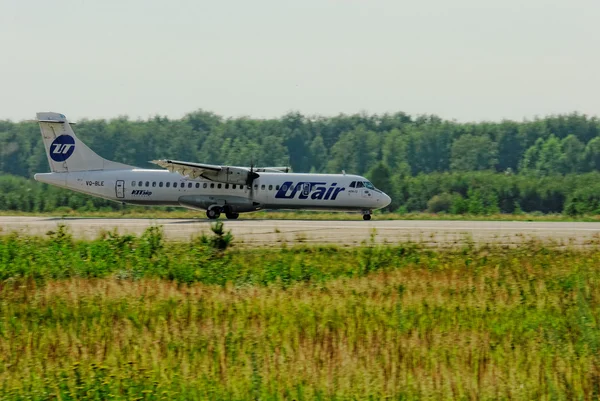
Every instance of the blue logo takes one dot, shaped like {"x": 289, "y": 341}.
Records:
{"x": 304, "y": 190}
{"x": 62, "y": 148}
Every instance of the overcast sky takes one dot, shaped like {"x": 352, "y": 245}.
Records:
{"x": 468, "y": 60}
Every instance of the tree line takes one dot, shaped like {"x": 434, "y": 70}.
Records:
{"x": 547, "y": 164}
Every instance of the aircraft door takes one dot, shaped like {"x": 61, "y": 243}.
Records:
{"x": 120, "y": 189}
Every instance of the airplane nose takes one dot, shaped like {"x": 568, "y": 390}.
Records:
{"x": 386, "y": 200}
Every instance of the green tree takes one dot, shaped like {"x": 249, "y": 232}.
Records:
{"x": 472, "y": 153}
{"x": 356, "y": 151}
{"x": 572, "y": 154}
{"x": 394, "y": 152}
{"x": 428, "y": 147}
{"x": 592, "y": 155}
{"x": 531, "y": 156}
{"x": 510, "y": 146}
{"x": 318, "y": 153}
{"x": 550, "y": 157}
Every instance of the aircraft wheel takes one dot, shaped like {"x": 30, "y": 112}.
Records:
{"x": 366, "y": 217}
{"x": 212, "y": 214}
{"x": 232, "y": 216}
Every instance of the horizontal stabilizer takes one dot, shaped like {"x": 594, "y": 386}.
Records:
{"x": 49, "y": 117}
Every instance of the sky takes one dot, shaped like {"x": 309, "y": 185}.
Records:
{"x": 464, "y": 60}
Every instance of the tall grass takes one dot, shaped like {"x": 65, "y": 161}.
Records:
{"x": 180, "y": 213}
{"x": 297, "y": 323}
{"x": 204, "y": 259}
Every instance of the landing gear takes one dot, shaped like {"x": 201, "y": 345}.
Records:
{"x": 367, "y": 215}
{"x": 232, "y": 216}
{"x": 213, "y": 213}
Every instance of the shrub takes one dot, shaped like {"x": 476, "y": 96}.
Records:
{"x": 442, "y": 202}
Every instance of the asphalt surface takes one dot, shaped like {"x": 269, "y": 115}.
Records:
{"x": 346, "y": 232}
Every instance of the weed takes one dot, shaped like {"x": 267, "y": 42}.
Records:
{"x": 302, "y": 322}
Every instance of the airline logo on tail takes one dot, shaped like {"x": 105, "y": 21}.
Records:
{"x": 62, "y": 148}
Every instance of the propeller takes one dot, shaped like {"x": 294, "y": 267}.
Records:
{"x": 252, "y": 175}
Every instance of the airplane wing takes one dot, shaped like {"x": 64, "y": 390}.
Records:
{"x": 226, "y": 174}
{"x": 192, "y": 170}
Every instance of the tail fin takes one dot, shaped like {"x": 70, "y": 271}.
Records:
{"x": 66, "y": 153}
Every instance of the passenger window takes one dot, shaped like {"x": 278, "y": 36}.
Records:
{"x": 160, "y": 184}
{"x": 226, "y": 186}
{"x": 352, "y": 184}
{"x": 140, "y": 184}
{"x": 359, "y": 184}
{"x": 147, "y": 183}
{"x": 154, "y": 183}
{"x": 262, "y": 187}
{"x": 212, "y": 185}
{"x": 204, "y": 185}
{"x": 306, "y": 189}
{"x": 219, "y": 186}
{"x": 277, "y": 187}
{"x": 168, "y": 184}
{"x": 190, "y": 185}
{"x": 270, "y": 187}
{"x": 133, "y": 183}
{"x": 284, "y": 188}
{"x": 233, "y": 187}
{"x": 255, "y": 186}
{"x": 197, "y": 185}
{"x": 174, "y": 185}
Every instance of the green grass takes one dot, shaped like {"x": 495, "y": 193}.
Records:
{"x": 150, "y": 213}
{"x": 139, "y": 318}
{"x": 59, "y": 256}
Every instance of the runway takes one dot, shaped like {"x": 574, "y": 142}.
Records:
{"x": 276, "y": 232}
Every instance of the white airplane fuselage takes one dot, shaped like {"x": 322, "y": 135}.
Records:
{"x": 269, "y": 191}
{"x": 213, "y": 188}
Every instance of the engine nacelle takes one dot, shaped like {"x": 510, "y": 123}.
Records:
{"x": 235, "y": 204}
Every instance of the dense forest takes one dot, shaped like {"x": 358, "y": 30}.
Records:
{"x": 550, "y": 165}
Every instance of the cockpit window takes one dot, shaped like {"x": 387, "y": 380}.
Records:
{"x": 369, "y": 185}
{"x": 352, "y": 184}
{"x": 359, "y": 184}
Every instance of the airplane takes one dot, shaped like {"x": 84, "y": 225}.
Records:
{"x": 215, "y": 189}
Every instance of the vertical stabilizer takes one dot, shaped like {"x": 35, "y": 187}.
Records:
{"x": 66, "y": 153}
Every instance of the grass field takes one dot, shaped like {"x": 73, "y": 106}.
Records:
{"x": 152, "y": 213}
{"x": 139, "y": 318}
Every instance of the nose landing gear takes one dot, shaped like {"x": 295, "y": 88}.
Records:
{"x": 367, "y": 215}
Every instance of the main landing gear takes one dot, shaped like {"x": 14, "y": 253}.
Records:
{"x": 367, "y": 215}
{"x": 215, "y": 213}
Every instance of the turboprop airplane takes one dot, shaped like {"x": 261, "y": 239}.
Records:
{"x": 216, "y": 189}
